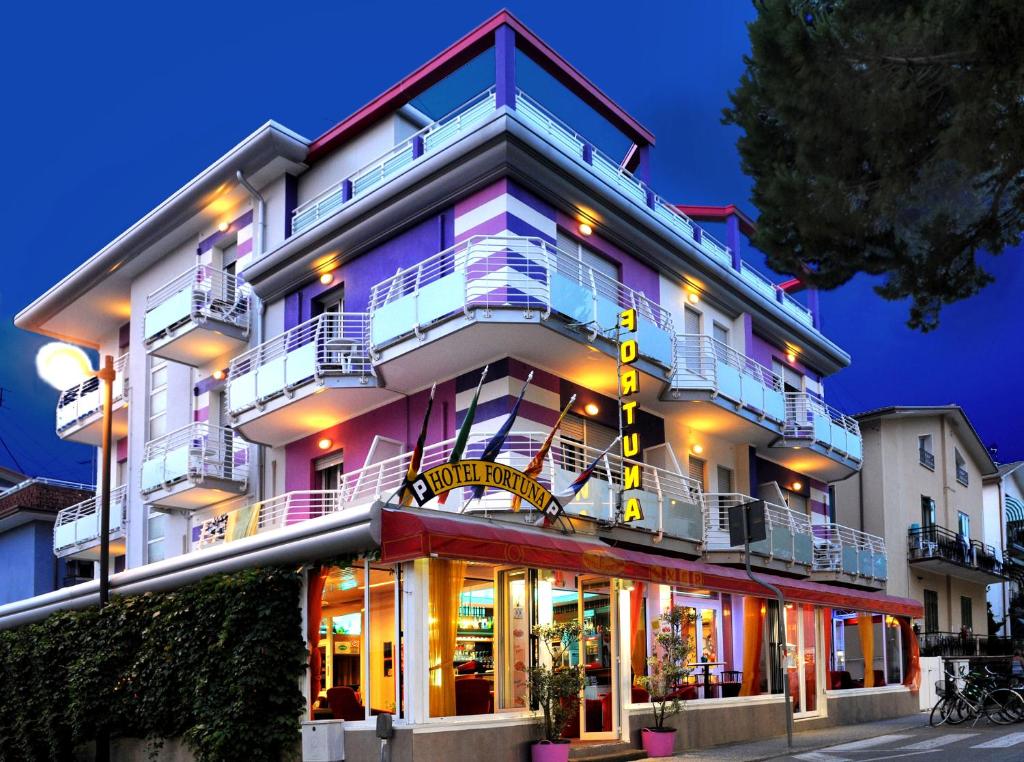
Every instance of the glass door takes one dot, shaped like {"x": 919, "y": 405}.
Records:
{"x": 801, "y": 658}
{"x": 597, "y": 614}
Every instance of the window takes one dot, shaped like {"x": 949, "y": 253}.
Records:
{"x": 963, "y": 525}
{"x": 697, "y": 467}
{"x": 855, "y": 634}
{"x": 330, "y": 470}
{"x": 156, "y": 532}
{"x": 721, "y": 333}
{"x": 332, "y": 301}
{"x": 589, "y": 260}
{"x": 931, "y": 611}
{"x": 925, "y": 453}
{"x": 724, "y": 476}
{"x": 157, "y": 398}
{"x": 927, "y": 511}
{"x": 691, "y": 321}
{"x": 961, "y": 467}
{"x": 966, "y": 614}
{"x": 588, "y": 433}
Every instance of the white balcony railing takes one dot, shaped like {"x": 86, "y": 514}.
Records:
{"x": 808, "y": 417}
{"x": 567, "y": 140}
{"x": 394, "y": 162}
{"x": 673, "y": 502}
{"x": 789, "y": 533}
{"x": 80, "y": 402}
{"x": 195, "y": 452}
{"x": 703, "y": 363}
{"x": 79, "y": 524}
{"x": 331, "y": 344}
{"x": 199, "y": 294}
{"x": 488, "y": 273}
{"x": 839, "y": 548}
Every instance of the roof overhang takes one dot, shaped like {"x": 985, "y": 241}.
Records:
{"x": 463, "y": 51}
{"x": 120, "y": 257}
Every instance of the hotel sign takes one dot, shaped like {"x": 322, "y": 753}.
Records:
{"x": 471, "y": 473}
{"x": 629, "y": 387}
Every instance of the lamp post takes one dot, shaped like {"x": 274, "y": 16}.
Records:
{"x": 63, "y": 366}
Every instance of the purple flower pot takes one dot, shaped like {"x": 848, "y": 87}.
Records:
{"x": 546, "y": 751}
{"x": 658, "y": 743}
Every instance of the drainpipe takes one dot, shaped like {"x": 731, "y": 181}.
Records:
{"x": 258, "y": 239}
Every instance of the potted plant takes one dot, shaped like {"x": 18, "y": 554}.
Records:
{"x": 666, "y": 670}
{"x": 555, "y": 689}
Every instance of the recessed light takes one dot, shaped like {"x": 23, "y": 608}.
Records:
{"x": 223, "y": 227}
{"x": 327, "y": 279}
{"x": 591, "y": 409}
{"x": 325, "y": 443}
{"x": 586, "y": 229}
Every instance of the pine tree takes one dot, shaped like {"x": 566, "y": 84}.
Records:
{"x": 885, "y": 138}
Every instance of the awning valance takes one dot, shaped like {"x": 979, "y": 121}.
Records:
{"x": 410, "y": 534}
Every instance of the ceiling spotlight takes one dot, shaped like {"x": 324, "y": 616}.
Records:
{"x": 219, "y": 374}
{"x": 223, "y": 227}
{"x": 797, "y": 486}
{"x": 698, "y": 449}
{"x": 591, "y": 409}
{"x": 693, "y": 297}
{"x": 791, "y": 356}
{"x": 325, "y": 443}
{"x": 585, "y": 228}
{"x": 327, "y": 279}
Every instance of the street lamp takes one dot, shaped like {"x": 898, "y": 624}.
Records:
{"x": 63, "y": 366}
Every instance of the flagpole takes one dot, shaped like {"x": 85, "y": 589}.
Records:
{"x": 536, "y": 464}
{"x": 463, "y": 434}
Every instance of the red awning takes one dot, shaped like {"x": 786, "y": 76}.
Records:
{"x": 410, "y": 534}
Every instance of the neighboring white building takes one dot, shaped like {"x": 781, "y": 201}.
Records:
{"x": 1004, "y": 527}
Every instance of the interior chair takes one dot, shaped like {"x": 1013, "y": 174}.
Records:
{"x": 345, "y": 704}
{"x": 472, "y": 696}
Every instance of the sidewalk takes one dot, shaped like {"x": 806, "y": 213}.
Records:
{"x": 803, "y": 742}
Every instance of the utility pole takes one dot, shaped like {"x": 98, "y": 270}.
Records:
{"x": 106, "y": 377}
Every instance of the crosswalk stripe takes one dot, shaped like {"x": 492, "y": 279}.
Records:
{"x": 820, "y": 756}
{"x": 938, "y": 741}
{"x": 1010, "y": 739}
{"x": 866, "y": 743}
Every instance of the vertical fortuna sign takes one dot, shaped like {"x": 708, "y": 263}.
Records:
{"x": 629, "y": 386}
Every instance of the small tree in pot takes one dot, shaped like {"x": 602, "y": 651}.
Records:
{"x": 555, "y": 689}
{"x": 666, "y": 671}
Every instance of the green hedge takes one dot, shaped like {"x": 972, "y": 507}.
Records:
{"x": 216, "y": 663}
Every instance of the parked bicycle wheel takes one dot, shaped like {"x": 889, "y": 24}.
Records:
{"x": 1004, "y": 706}
{"x": 941, "y": 710}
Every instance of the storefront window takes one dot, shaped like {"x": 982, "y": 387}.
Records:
{"x": 356, "y": 666}
{"x": 866, "y": 650}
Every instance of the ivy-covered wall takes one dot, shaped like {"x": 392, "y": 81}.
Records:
{"x": 216, "y": 663}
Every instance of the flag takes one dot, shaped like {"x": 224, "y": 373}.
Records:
{"x": 463, "y": 436}
{"x": 573, "y": 489}
{"x": 537, "y": 463}
{"x": 417, "y": 453}
{"x": 496, "y": 442}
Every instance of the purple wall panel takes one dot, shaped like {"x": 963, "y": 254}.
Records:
{"x": 400, "y": 420}
{"x": 764, "y": 351}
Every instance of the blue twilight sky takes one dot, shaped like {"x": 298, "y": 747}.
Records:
{"x": 111, "y": 107}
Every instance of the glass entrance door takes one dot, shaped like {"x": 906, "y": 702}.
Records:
{"x": 801, "y": 658}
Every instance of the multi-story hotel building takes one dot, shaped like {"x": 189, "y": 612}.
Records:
{"x": 278, "y": 325}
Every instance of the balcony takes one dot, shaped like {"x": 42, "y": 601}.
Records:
{"x": 195, "y": 466}
{"x": 848, "y": 556}
{"x": 80, "y": 408}
{"x": 817, "y": 439}
{"x": 310, "y": 377}
{"x": 672, "y": 503}
{"x": 926, "y": 458}
{"x": 749, "y": 404}
{"x": 463, "y": 299}
{"x": 943, "y": 551}
{"x": 788, "y": 547}
{"x": 962, "y": 476}
{"x": 198, "y": 317}
{"x": 426, "y": 142}
{"x": 76, "y": 533}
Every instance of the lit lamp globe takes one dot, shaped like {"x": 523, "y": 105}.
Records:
{"x": 62, "y": 365}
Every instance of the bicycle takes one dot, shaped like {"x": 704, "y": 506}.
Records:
{"x": 979, "y": 697}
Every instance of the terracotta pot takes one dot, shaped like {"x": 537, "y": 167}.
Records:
{"x": 546, "y": 751}
{"x": 658, "y": 743}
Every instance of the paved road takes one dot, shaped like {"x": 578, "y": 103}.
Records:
{"x": 906, "y": 738}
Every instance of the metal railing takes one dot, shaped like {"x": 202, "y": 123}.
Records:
{"x": 702, "y": 362}
{"x": 809, "y": 417}
{"x": 199, "y": 294}
{"x": 509, "y": 272}
{"x": 938, "y": 542}
{"x": 50, "y": 482}
{"x": 569, "y": 141}
{"x": 194, "y": 452}
{"x": 394, "y": 161}
{"x": 962, "y": 475}
{"x": 82, "y": 401}
{"x": 927, "y": 459}
{"x": 789, "y": 536}
{"x": 330, "y": 344}
{"x": 563, "y": 463}
{"x": 79, "y": 524}
{"x": 839, "y": 548}
{"x": 963, "y": 644}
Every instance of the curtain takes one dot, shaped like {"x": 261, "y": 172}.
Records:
{"x": 826, "y": 620}
{"x": 866, "y": 629}
{"x": 912, "y": 651}
{"x": 753, "y": 645}
{"x": 314, "y": 613}
{"x": 445, "y": 588}
{"x": 637, "y": 617}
